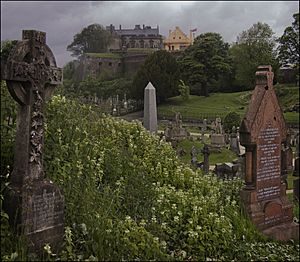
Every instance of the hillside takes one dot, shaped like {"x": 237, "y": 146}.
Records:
{"x": 219, "y": 104}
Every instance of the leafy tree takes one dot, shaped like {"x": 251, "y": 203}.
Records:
{"x": 205, "y": 62}
{"x": 184, "y": 90}
{"x": 92, "y": 39}
{"x": 230, "y": 120}
{"x": 161, "y": 69}
{"x": 69, "y": 70}
{"x": 288, "y": 49}
{"x": 193, "y": 73}
{"x": 6, "y": 47}
{"x": 254, "y": 47}
{"x": 91, "y": 86}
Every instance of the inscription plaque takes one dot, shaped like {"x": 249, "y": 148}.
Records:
{"x": 268, "y": 164}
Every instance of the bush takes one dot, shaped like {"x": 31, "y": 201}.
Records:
{"x": 230, "y": 120}
{"x": 161, "y": 69}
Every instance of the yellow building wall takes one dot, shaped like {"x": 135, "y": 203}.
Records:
{"x": 177, "y": 40}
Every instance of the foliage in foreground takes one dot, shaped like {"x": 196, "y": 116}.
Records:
{"x": 129, "y": 198}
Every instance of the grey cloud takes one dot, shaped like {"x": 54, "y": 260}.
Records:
{"x": 62, "y": 20}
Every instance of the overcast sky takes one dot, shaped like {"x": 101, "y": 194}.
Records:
{"x": 62, "y": 20}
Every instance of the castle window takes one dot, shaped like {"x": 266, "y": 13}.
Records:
{"x": 109, "y": 63}
{"x": 174, "y": 37}
{"x": 119, "y": 64}
{"x": 179, "y": 37}
{"x": 100, "y": 63}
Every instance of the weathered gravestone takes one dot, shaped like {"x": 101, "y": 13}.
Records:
{"x": 34, "y": 204}
{"x": 234, "y": 145}
{"x": 176, "y": 131}
{"x": 206, "y": 153}
{"x": 150, "y": 110}
{"x": 262, "y": 132}
{"x": 218, "y": 138}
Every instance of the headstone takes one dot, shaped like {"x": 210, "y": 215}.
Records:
{"x": 225, "y": 170}
{"x": 34, "y": 204}
{"x": 227, "y": 138}
{"x": 241, "y": 167}
{"x": 206, "y": 153}
{"x": 150, "y": 110}
{"x": 218, "y": 139}
{"x": 234, "y": 145}
{"x": 204, "y": 127}
{"x": 194, "y": 155}
{"x": 175, "y": 131}
{"x": 262, "y": 131}
{"x": 242, "y": 149}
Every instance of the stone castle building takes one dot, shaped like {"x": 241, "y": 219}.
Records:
{"x": 177, "y": 40}
{"x": 125, "y": 55}
{"x": 139, "y": 37}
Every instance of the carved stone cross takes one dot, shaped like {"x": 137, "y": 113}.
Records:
{"x": 35, "y": 203}
{"x": 31, "y": 75}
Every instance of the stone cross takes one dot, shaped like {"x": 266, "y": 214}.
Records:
{"x": 262, "y": 132}
{"x": 31, "y": 76}
{"x": 206, "y": 153}
{"x": 150, "y": 110}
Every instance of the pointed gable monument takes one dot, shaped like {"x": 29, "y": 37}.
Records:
{"x": 262, "y": 132}
{"x": 150, "y": 110}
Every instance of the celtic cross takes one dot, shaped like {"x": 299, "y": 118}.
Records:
{"x": 31, "y": 76}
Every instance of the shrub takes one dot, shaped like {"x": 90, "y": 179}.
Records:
{"x": 230, "y": 120}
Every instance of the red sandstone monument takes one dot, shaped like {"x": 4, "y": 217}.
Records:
{"x": 262, "y": 132}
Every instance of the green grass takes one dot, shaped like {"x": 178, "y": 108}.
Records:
{"x": 220, "y": 104}
{"x": 104, "y": 55}
{"x": 198, "y": 107}
{"x": 295, "y": 205}
{"x": 287, "y": 95}
{"x": 290, "y": 179}
{"x": 225, "y": 155}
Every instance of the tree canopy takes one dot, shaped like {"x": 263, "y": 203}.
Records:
{"x": 6, "y": 47}
{"x": 205, "y": 63}
{"x": 288, "y": 49}
{"x": 254, "y": 47}
{"x": 161, "y": 69}
{"x": 92, "y": 39}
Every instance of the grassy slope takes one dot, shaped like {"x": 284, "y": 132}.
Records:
{"x": 199, "y": 107}
{"x": 225, "y": 155}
